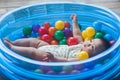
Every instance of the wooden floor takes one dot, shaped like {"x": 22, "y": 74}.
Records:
{"x": 7, "y": 5}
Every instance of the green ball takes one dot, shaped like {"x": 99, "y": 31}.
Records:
{"x": 59, "y": 35}
{"x": 38, "y": 71}
{"x": 63, "y": 42}
{"x": 27, "y": 31}
{"x": 67, "y": 68}
{"x": 99, "y": 35}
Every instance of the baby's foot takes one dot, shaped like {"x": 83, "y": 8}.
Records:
{"x": 74, "y": 18}
{"x": 8, "y": 43}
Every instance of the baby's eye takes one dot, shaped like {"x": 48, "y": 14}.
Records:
{"x": 89, "y": 45}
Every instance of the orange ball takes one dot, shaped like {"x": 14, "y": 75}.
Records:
{"x": 67, "y": 24}
{"x": 54, "y": 42}
{"x": 51, "y": 31}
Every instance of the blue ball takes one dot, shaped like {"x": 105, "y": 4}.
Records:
{"x": 67, "y": 68}
{"x": 97, "y": 65}
{"x": 107, "y": 37}
{"x": 97, "y": 25}
{"x": 56, "y": 68}
{"x": 35, "y": 27}
{"x": 85, "y": 69}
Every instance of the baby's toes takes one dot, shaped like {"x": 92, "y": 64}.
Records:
{"x": 8, "y": 43}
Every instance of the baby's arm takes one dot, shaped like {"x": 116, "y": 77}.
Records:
{"x": 76, "y": 30}
{"x": 59, "y": 59}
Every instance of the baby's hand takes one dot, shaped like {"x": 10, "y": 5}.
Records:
{"x": 74, "y": 18}
{"x": 48, "y": 57}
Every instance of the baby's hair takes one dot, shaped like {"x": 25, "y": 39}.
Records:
{"x": 103, "y": 47}
{"x": 106, "y": 43}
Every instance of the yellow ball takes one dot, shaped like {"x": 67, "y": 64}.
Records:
{"x": 84, "y": 34}
{"x": 87, "y": 39}
{"x": 90, "y": 31}
{"x": 83, "y": 55}
{"x": 59, "y": 25}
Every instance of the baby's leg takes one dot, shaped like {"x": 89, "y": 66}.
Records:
{"x": 28, "y": 42}
{"x": 30, "y": 52}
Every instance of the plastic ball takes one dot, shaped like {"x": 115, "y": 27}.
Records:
{"x": 67, "y": 24}
{"x": 107, "y": 37}
{"x": 35, "y": 27}
{"x": 84, "y": 34}
{"x": 75, "y": 71}
{"x": 90, "y": 31}
{"x": 72, "y": 41}
{"x": 90, "y": 65}
{"x": 51, "y": 31}
{"x": 27, "y": 31}
{"x": 59, "y": 25}
{"x": 42, "y": 31}
{"x": 85, "y": 69}
{"x": 45, "y": 68}
{"x": 78, "y": 67}
{"x": 67, "y": 68}
{"x": 24, "y": 36}
{"x": 87, "y": 39}
{"x": 67, "y": 32}
{"x": 54, "y": 42}
{"x": 46, "y": 38}
{"x": 97, "y": 25}
{"x": 106, "y": 61}
{"x": 63, "y": 72}
{"x": 59, "y": 35}
{"x": 63, "y": 42}
{"x": 112, "y": 42}
{"x": 46, "y": 25}
{"x": 99, "y": 35}
{"x": 83, "y": 55}
{"x": 97, "y": 65}
{"x": 56, "y": 68}
{"x": 51, "y": 72}
{"x": 38, "y": 71}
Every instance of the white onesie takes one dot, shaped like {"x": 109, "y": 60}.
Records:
{"x": 63, "y": 51}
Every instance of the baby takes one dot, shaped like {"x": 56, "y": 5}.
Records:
{"x": 42, "y": 51}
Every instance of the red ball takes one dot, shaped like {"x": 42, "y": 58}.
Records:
{"x": 67, "y": 24}
{"x": 72, "y": 41}
{"x": 46, "y": 25}
{"x": 42, "y": 31}
{"x": 46, "y": 38}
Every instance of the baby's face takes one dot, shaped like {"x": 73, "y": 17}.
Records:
{"x": 93, "y": 46}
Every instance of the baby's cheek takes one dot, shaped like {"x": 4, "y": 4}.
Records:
{"x": 88, "y": 50}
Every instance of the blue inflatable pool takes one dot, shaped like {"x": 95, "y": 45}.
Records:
{"x": 104, "y": 66}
